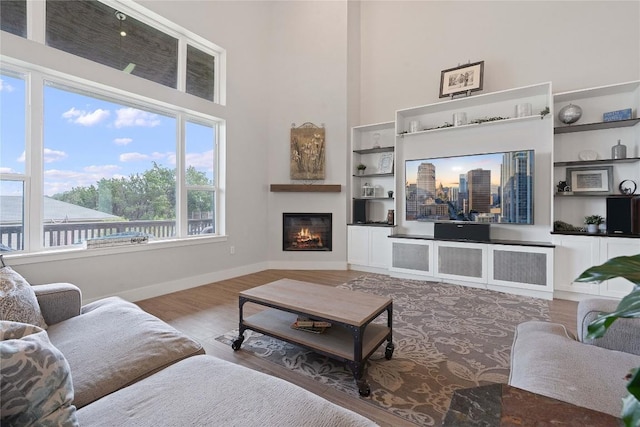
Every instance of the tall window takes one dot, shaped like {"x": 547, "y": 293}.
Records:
{"x": 12, "y": 161}
{"x": 107, "y": 165}
{"x": 200, "y": 176}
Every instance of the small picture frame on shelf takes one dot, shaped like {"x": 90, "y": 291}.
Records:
{"x": 590, "y": 180}
{"x": 460, "y": 79}
{"x": 385, "y": 163}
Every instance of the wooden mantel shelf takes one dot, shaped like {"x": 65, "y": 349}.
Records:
{"x": 306, "y": 188}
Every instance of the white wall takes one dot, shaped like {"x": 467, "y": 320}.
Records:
{"x": 574, "y": 44}
{"x": 307, "y": 83}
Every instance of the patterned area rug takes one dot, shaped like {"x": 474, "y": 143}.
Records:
{"x": 446, "y": 336}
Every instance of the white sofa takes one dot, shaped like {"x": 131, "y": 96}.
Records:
{"x": 129, "y": 368}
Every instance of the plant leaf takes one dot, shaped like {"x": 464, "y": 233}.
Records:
{"x": 630, "y": 411}
{"x": 634, "y": 383}
{"x": 629, "y": 307}
{"x": 627, "y": 267}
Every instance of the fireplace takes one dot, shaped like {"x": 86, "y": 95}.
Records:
{"x": 306, "y": 232}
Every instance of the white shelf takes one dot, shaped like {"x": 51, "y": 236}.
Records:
{"x": 471, "y": 125}
{"x": 478, "y": 100}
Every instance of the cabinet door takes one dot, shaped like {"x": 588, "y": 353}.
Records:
{"x": 412, "y": 257}
{"x": 611, "y": 248}
{"x": 461, "y": 261}
{"x": 573, "y": 255}
{"x": 379, "y": 247}
{"x": 358, "y": 245}
{"x": 524, "y": 267}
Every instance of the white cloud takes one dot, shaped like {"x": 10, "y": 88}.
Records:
{"x": 86, "y": 118}
{"x": 136, "y": 157}
{"x": 123, "y": 141}
{"x": 101, "y": 169}
{"x": 126, "y": 117}
{"x": 5, "y": 87}
{"x": 6, "y": 170}
{"x": 200, "y": 160}
{"x": 58, "y": 181}
{"x": 21, "y": 158}
{"x": 51, "y": 156}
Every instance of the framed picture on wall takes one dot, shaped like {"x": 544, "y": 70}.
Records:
{"x": 385, "y": 164}
{"x": 590, "y": 180}
{"x": 464, "y": 78}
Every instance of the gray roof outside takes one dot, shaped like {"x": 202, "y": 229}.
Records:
{"x": 54, "y": 211}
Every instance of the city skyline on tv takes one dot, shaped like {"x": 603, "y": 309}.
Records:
{"x": 491, "y": 188}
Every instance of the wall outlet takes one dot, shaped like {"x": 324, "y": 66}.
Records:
{"x": 232, "y": 250}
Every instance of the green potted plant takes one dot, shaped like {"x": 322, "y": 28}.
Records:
{"x": 627, "y": 267}
{"x": 361, "y": 167}
{"x": 593, "y": 221}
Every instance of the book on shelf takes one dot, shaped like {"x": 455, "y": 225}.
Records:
{"x": 310, "y": 325}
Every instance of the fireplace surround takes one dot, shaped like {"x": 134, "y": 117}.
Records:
{"x": 306, "y": 231}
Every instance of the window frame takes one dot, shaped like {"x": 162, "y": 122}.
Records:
{"x": 33, "y": 178}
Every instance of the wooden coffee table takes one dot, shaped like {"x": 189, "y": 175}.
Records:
{"x": 352, "y": 338}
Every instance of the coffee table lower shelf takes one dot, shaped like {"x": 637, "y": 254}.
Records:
{"x": 337, "y": 342}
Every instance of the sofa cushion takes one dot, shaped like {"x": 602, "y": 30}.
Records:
{"x": 114, "y": 343}
{"x": 546, "y": 360}
{"x": 207, "y": 391}
{"x": 36, "y": 381}
{"x": 18, "y": 302}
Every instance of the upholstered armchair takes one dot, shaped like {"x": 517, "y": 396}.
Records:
{"x": 547, "y": 359}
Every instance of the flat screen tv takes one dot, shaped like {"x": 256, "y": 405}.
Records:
{"x": 489, "y": 188}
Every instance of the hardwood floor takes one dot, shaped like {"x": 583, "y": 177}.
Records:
{"x": 209, "y": 311}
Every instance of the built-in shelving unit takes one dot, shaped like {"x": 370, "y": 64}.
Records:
{"x": 369, "y": 143}
{"x": 492, "y": 127}
{"x": 577, "y": 250}
{"x": 369, "y": 248}
{"x": 591, "y": 134}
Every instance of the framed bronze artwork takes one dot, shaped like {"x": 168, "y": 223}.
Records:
{"x": 307, "y": 152}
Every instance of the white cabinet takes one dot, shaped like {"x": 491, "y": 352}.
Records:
{"x": 611, "y": 248}
{"x": 412, "y": 257}
{"x": 575, "y": 254}
{"x": 461, "y": 261}
{"x": 524, "y": 269}
{"x": 369, "y": 248}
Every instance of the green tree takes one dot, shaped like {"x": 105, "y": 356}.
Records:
{"x": 150, "y": 195}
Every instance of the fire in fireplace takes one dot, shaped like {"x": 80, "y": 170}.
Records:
{"x": 306, "y": 232}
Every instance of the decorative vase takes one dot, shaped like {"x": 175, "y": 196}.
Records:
{"x": 592, "y": 228}
{"x": 619, "y": 151}
{"x": 390, "y": 193}
{"x": 570, "y": 114}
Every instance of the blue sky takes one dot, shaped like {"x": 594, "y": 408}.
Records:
{"x": 86, "y": 139}
{"x": 448, "y": 169}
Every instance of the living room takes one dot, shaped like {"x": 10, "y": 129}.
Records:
{"x": 341, "y": 64}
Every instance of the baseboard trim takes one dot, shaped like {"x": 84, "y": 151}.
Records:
{"x": 307, "y": 265}
{"x": 139, "y": 294}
